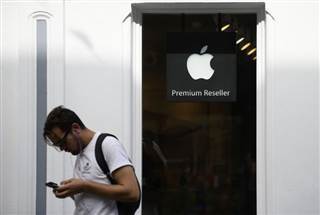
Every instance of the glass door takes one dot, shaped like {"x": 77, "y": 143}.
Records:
{"x": 199, "y": 147}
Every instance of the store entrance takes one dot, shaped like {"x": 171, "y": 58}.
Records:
{"x": 199, "y": 157}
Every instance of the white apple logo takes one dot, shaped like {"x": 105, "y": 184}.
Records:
{"x": 198, "y": 65}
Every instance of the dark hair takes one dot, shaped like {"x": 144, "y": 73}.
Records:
{"x": 62, "y": 118}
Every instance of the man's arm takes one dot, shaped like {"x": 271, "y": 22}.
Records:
{"x": 126, "y": 188}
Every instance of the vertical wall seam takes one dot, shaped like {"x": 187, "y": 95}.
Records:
{"x": 64, "y": 78}
{"x": 1, "y": 110}
{"x": 122, "y": 133}
{"x": 64, "y": 50}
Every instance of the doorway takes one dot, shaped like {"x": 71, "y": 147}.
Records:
{"x": 200, "y": 157}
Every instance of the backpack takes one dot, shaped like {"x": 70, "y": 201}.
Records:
{"x": 124, "y": 208}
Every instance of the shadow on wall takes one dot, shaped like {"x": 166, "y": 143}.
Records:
{"x": 86, "y": 41}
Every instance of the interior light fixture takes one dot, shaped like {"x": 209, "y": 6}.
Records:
{"x": 225, "y": 27}
{"x": 245, "y": 46}
{"x": 240, "y": 40}
{"x": 255, "y": 58}
{"x": 251, "y": 51}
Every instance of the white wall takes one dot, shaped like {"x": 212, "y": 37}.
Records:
{"x": 96, "y": 78}
{"x": 91, "y": 47}
{"x": 293, "y": 108}
{"x": 16, "y": 135}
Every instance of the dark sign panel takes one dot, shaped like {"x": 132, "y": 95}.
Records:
{"x": 201, "y": 67}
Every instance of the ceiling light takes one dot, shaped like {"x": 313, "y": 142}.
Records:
{"x": 252, "y": 50}
{"x": 255, "y": 58}
{"x": 240, "y": 40}
{"x": 245, "y": 46}
{"x": 225, "y": 27}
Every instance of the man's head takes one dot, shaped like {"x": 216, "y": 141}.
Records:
{"x": 62, "y": 129}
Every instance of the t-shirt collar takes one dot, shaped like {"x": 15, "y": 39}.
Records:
{"x": 92, "y": 143}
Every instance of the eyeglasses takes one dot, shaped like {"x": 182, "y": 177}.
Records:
{"x": 59, "y": 144}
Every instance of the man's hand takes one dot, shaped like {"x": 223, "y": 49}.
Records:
{"x": 69, "y": 187}
{"x": 126, "y": 189}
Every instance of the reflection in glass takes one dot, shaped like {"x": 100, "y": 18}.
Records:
{"x": 198, "y": 157}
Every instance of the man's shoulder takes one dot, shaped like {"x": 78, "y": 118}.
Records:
{"x": 110, "y": 143}
{"x": 111, "y": 139}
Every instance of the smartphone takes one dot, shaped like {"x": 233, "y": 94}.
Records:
{"x": 52, "y": 185}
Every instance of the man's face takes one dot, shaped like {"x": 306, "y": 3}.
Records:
{"x": 66, "y": 141}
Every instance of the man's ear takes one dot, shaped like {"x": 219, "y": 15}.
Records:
{"x": 76, "y": 128}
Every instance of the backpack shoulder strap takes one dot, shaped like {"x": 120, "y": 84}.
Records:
{"x": 100, "y": 157}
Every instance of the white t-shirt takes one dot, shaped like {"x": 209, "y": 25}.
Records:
{"x": 87, "y": 168}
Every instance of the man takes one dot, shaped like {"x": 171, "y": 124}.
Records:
{"x": 91, "y": 190}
